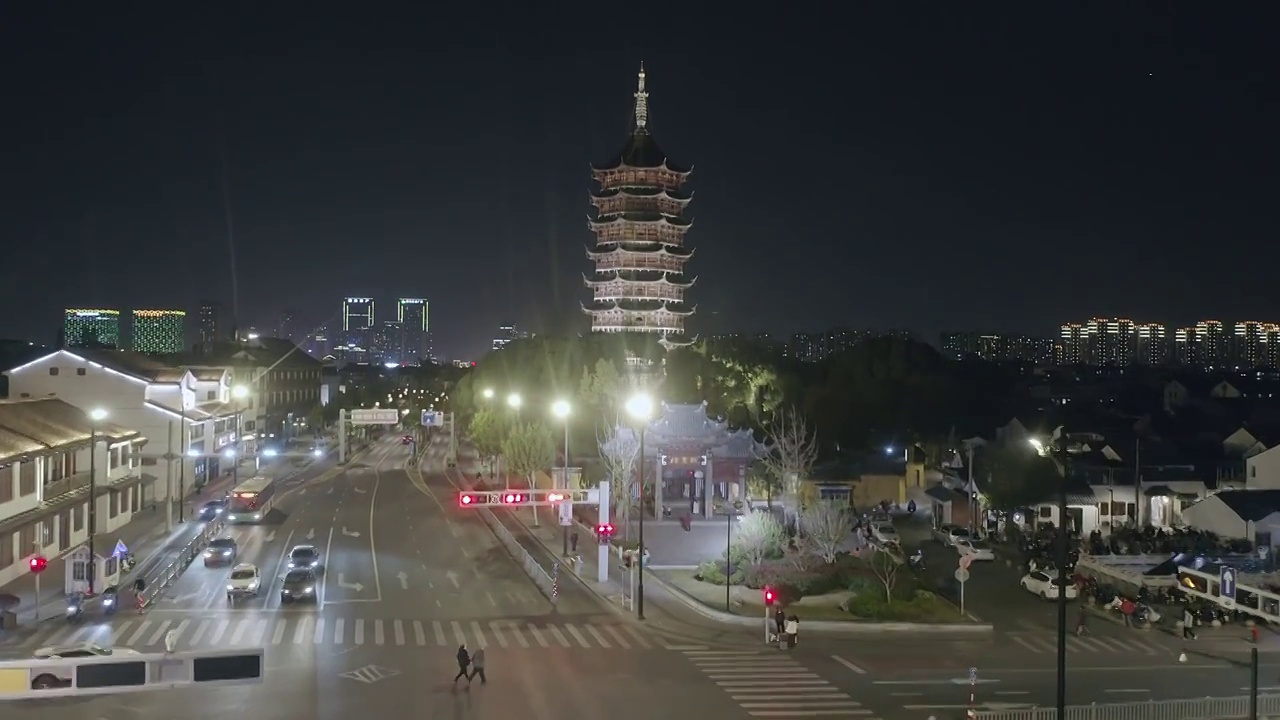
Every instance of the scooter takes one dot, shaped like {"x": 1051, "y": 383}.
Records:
{"x": 110, "y": 601}
{"x": 916, "y": 561}
{"x": 75, "y": 608}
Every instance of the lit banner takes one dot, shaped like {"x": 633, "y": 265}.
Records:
{"x": 115, "y": 674}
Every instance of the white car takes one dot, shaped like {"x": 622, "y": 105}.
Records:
{"x": 949, "y": 535}
{"x": 245, "y": 580}
{"x": 1041, "y": 584}
{"x": 79, "y": 650}
{"x": 885, "y": 533}
{"x": 978, "y": 550}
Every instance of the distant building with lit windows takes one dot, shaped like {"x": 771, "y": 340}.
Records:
{"x": 159, "y": 331}
{"x": 85, "y": 327}
{"x": 998, "y": 347}
{"x": 357, "y": 321}
{"x": 506, "y": 334}
{"x": 414, "y": 343}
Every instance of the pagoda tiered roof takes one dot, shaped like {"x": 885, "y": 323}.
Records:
{"x": 683, "y": 424}
{"x": 648, "y": 218}
{"x": 640, "y": 306}
{"x": 617, "y": 277}
{"x": 641, "y": 151}
{"x": 674, "y": 251}
{"x": 642, "y": 192}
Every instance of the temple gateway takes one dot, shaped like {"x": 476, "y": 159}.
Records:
{"x": 699, "y": 461}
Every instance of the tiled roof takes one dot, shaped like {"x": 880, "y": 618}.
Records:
{"x": 1251, "y": 505}
{"x": 207, "y": 374}
{"x": 130, "y": 363}
{"x": 32, "y": 426}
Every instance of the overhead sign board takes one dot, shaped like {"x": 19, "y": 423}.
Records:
{"x": 432, "y": 418}
{"x": 377, "y": 416}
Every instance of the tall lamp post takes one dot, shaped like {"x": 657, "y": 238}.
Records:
{"x": 514, "y": 401}
{"x": 1062, "y": 560}
{"x": 640, "y": 408}
{"x": 488, "y": 394}
{"x": 95, "y": 416}
{"x": 238, "y": 393}
{"x": 562, "y": 410}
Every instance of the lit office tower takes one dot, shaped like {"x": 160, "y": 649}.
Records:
{"x": 1213, "y": 344}
{"x": 211, "y": 324}
{"x": 411, "y": 313}
{"x": 357, "y": 320}
{"x": 1074, "y": 345}
{"x": 158, "y": 331}
{"x": 1151, "y": 345}
{"x": 83, "y": 327}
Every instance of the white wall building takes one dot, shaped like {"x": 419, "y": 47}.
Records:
{"x": 157, "y": 400}
{"x": 44, "y": 481}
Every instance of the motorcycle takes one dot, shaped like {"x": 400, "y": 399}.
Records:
{"x": 75, "y": 608}
{"x": 916, "y": 562}
{"x": 110, "y": 601}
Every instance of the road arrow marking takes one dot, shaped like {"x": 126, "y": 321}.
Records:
{"x": 453, "y": 578}
{"x": 329, "y": 491}
{"x": 311, "y": 534}
{"x": 349, "y": 533}
{"x": 349, "y": 586}
{"x": 404, "y": 580}
{"x": 270, "y": 536}
{"x": 360, "y": 490}
{"x": 183, "y": 598}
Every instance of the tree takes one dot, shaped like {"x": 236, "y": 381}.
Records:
{"x": 602, "y": 388}
{"x": 618, "y": 453}
{"x": 487, "y": 431}
{"x": 762, "y": 482}
{"x": 826, "y": 526}
{"x": 1017, "y": 477}
{"x": 886, "y": 566}
{"x": 528, "y": 448}
{"x": 792, "y": 448}
{"x": 758, "y": 536}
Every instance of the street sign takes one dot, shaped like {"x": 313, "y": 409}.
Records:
{"x": 566, "y": 513}
{"x": 432, "y": 418}
{"x": 121, "y": 549}
{"x": 377, "y": 416}
{"x": 965, "y": 561}
{"x": 973, "y": 674}
{"x": 1227, "y": 585}
{"x": 962, "y": 576}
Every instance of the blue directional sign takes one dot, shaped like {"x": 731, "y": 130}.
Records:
{"x": 1227, "y": 583}
{"x": 973, "y": 674}
{"x": 432, "y": 418}
{"x": 121, "y": 549}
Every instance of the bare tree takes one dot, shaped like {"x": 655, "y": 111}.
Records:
{"x": 792, "y": 448}
{"x": 619, "y": 450}
{"x": 758, "y": 536}
{"x": 886, "y": 565}
{"x": 826, "y": 526}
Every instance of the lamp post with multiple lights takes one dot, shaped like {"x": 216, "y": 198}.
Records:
{"x": 238, "y": 393}
{"x": 640, "y": 409}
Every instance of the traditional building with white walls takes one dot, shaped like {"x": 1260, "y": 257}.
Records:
{"x": 45, "y": 448}
{"x": 283, "y": 384}
{"x": 142, "y": 393}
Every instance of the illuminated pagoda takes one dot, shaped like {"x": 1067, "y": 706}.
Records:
{"x": 640, "y": 226}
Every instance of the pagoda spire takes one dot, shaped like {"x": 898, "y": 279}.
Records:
{"x": 642, "y": 104}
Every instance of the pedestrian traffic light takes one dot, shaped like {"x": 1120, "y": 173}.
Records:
{"x": 513, "y": 498}
{"x": 604, "y": 530}
{"x": 770, "y": 597}
{"x": 38, "y": 563}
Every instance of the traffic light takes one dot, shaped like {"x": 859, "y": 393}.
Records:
{"x": 604, "y": 532}
{"x": 770, "y": 597}
{"x": 513, "y": 499}
{"x": 466, "y": 499}
{"x": 38, "y": 563}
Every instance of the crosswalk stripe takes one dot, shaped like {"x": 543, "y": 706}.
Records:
{"x": 378, "y": 637}
{"x": 200, "y": 630}
{"x": 559, "y": 636}
{"x": 118, "y": 632}
{"x": 600, "y": 639}
{"x": 480, "y": 641}
{"x": 138, "y": 633}
{"x": 519, "y": 637}
{"x": 638, "y": 637}
{"x": 1024, "y": 643}
{"x": 338, "y": 634}
{"x": 438, "y": 629}
{"x": 237, "y": 636}
{"x": 279, "y": 634}
{"x": 497, "y": 635}
{"x": 460, "y": 636}
{"x": 217, "y": 632}
{"x": 359, "y": 632}
{"x": 399, "y": 630}
{"x": 302, "y": 631}
{"x": 177, "y": 632}
{"x": 618, "y": 637}
{"x": 538, "y": 636}
{"x": 159, "y": 633}
{"x": 419, "y": 633}
{"x": 319, "y": 634}
{"x": 576, "y": 635}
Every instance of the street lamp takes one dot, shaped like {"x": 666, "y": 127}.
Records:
{"x": 239, "y": 392}
{"x": 487, "y": 393}
{"x": 562, "y": 409}
{"x": 1049, "y": 451}
{"x": 96, "y": 416}
{"x": 640, "y": 408}
{"x": 514, "y": 401}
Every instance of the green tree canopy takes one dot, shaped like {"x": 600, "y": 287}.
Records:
{"x": 488, "y": 433}
{"x": 1014, "y": 477}
{"x": 528, "y": 448}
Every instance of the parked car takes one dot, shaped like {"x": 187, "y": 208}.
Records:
{"x": 885, "y": 533}
{"x": 949, "y": 535}
{"x": 1038, "y": 583}
{"x": 979, "y": 550}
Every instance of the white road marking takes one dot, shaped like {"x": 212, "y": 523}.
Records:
{"x": 851, "y": 666}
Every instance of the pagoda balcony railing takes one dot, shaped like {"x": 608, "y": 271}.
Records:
{"x": 621, "y": 203}
{"x": 608, "y": 325}
{"x": 637, "y": 291}
{"x": 639, "y": 177}
{"x": 641, "y": 261}
{"x": 625, "y": 233}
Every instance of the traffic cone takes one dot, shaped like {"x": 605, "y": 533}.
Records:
{"x": 1182, "y": 656}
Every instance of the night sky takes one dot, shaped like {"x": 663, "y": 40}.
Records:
{"x": 921, "y": 166}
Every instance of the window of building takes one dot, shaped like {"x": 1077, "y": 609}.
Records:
{"x": 135, "y": 498}
{"x": 250, "y": 425}
{"x": 211, "y": 395}
{"x": 6, "y": 550}
{"x": 81, "y": 372}
{"x": 26, "y": 478}
{"x": 53, "y": 371}
{"x": 6, "y": 483}
{"x": 77, "y": 518}
{"x": 113, "y": 504}
{"x": 27, "y": 540}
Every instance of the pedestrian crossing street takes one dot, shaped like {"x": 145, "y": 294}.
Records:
{"x": 149, "y": 634}
{"x": 771, "y": 684}
{"x": 1042, "y": 643}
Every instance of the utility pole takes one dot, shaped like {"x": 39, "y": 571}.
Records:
{"x": 1062, "y": 588}
{"x": 183, "y": 449}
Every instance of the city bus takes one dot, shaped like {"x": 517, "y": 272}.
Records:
{"x": 250, "y": 501}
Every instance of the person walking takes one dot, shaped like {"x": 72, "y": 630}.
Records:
{"x": 1188, "y": 624}
{"x": 464, "y": 661}
{"x": 1082, "y": 622}
{"x": 793, "y": 631}
{"x": 477, "y": 667}
{"x": 779, "y": 622}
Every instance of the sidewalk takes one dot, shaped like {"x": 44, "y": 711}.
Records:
{"x": 144, "y": 535}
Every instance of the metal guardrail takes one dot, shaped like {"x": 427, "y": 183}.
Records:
{"x": 544, "y": 580}
{"x": 1208, "y": 708}
{"x": 176, "y": 567}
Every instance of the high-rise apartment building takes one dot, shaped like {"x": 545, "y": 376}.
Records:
{"x": 88, "y": 327}
{"x": 211, "y": 324}
{"x": 506, "y": 334}
{"x": 1073, "y": 345}
{"x": 813, "y": 347}
{"x": 1255, "y": 345}
{"x": 998, "y": 347}
{"x": 1151, "y": 344}
{"x": 415, "y": 332}
{"x": 358, "y": 321}
{"x": 159, "y": 331}
{"x": 1213, "y": 345}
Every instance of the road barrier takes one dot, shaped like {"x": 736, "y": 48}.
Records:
{"x": 1208, "y": 708}
{"x": 183, "y": 559}
{"x": 545, "y": 582}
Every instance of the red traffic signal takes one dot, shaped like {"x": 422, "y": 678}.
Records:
{"x": 513, "y": 498}
{"x": 466, "y": 499}
{"x": 770, "y": 597}
{"x": 38, "y": 563}
{"x": 604, "y": 530}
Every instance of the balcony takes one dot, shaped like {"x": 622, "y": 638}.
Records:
{"x": 68, "y": 484}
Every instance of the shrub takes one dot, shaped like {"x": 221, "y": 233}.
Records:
{"x": 718, "y": 572}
